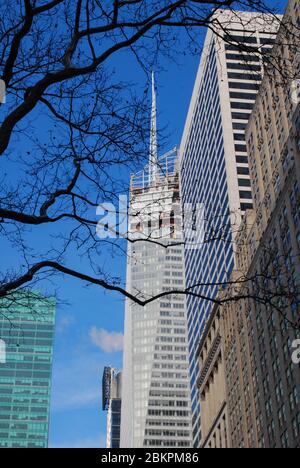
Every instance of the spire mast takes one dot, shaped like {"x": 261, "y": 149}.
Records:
{"x": 153, "y": 160}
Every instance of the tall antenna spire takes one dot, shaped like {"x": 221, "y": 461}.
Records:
{"x": 153, "y": 163}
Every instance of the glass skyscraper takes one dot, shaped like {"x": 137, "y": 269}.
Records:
{"x": 214, "y": 163}
{"x": 155, "y": 396}
{"x": 111, "y": 402}
{"x": 27, "y": 329}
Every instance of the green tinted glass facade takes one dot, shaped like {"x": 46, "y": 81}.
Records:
{"x": 27, "y": 329}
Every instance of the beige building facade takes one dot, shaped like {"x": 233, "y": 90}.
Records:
{"x": 262, "y": 383}
{"x": 214, "y": 171}
{"x": 212, "y": 387}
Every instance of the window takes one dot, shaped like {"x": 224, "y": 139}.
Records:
{"x": 241, "y": 105}
{"x": 243, "y": 170}
{"x": 241, "y": 148}
{"x": 246, "y": 206}
{"x": 240, "y": 116}
{"x": 239, "y": 126}
{"x": 245, "y": 195}
{"x": 246, "y": 58}
{"x": 245, "y": 96}
{"x": 241, "y": 85}
{"x": 245, "y": 39}
{"x": 245, "y": 76}
{"x": 242, "y": 160}
{"x": 243, "y": 66}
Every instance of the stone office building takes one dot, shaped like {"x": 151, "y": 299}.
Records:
{"x": 257, "y": 333}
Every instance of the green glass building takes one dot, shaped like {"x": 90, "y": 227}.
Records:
{"x": 27, "y": 323}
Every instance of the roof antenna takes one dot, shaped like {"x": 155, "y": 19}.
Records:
{"x": 153, "y": 159}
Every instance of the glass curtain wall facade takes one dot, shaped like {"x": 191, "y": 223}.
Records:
{"x": 111, "y": 395}
{"x": 156, "y": 399}
{"x": 214, "y": 163}
{"x": 27, "y": 329}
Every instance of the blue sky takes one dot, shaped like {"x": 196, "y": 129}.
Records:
{"x": 89, "y": 321}
{"x": 93, "y": 319}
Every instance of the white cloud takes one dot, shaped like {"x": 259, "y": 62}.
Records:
{"x": 109, "y": 342}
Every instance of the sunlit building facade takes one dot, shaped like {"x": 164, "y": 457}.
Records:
{"x": 156, "y": 410}
{"x": 263, "y": 381}
{"x": 156, "y": 399}
{"x": 212, "y": 385}
{"x": 214, "y": 163}
{"x": 249, "y": 351}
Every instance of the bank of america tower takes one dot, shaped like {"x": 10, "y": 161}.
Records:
{"x": 156, "y": 408}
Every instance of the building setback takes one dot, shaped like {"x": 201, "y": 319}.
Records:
{"x": 214, "y": 163}
{"x": 27, "y": 329}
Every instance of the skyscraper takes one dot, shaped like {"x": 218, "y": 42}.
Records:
{"x": 111, "y": 397}
{"x": 257, "y": 334}
{"x": 27, "y": 329}
{"x": 265, "y": 399}
{"x": 155, "y": 395}
{"x": 214, "y": 164}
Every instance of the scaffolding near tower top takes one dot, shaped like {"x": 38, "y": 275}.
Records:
{"x": 167, "y": 169}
